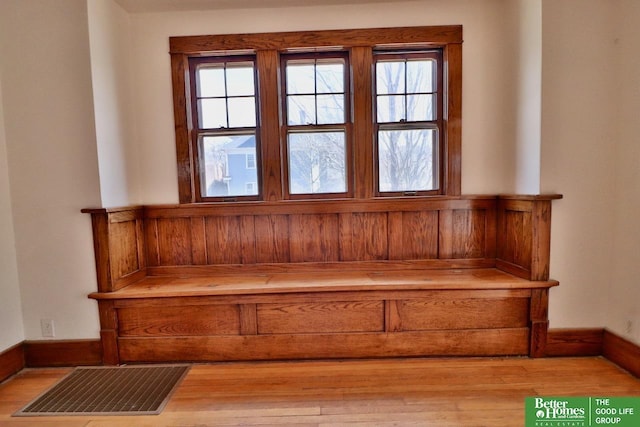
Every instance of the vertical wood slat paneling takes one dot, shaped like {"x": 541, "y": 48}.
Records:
{"x": 248, "y": 239}
{"x": 445, "y": 234}
{"x": 142, "y": 244}
{"x": 369, "y": 236}
{"x": 224, "y": 245}
{"x": 345, "y": 233}
{"x": 245, "y": 238}
{"x": 462, "y": 234}
{"x": 272, "y": 238}
{"x": 490, "y": 230}
{"x": 199, "y": 248}
{"x": 151, "y": 237}
{"x": 507, "y": 247}
{"x": 396, "y": 235}
{"x": 174, "y": 241}
{"x": 469, "y": 233}
{"x": 524, "y": 235}
{"x": 123, "y": 248}
{"x": 515, "y": 238}
{"x": 313, "y": 238}
{"x": 419, "y": 235}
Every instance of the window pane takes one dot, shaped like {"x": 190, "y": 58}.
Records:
{"x": 300, "y": 77}
{"x": 251, "y": 161}
{"x": 224, "y": 171}
{"x": 301, "y": 110}
{"x": 330, "y": 109}
{"x": 242, "y": 112}
{"x": 240, "y": 79}
{"x": 213, "y": 113}
{"x": 317, "y": 163}
{"x": 420, "y": 108}
{"x": 251, "y": 188}
{"x": 391, "y": 109}
{"x": 390, "y": 77}
{"x": 420, "y": 76}
{"x": 211, "y": 81}
{"x": 406, "y": 160}
{"x": 330, "y": 77}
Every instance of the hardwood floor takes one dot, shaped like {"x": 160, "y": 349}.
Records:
{"x": 389, "y": 392}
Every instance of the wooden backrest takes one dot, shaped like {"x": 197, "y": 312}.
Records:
{"x": 510, "y": 232}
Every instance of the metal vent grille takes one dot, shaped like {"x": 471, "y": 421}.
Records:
{"x": 124, "y": 390}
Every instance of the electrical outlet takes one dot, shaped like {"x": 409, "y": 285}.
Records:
{"x": 48, "y": 328}
{"x": 629, "y": 326}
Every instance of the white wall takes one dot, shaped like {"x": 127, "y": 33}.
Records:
{"x": 624, "y": 294}
{"x": 488, "y": 77}
{"x": 528, "y": 103}
{"x": 53, "y": 169}
{"x": 12, "y": 331}
{"x": 109, "y": 36}
{"x": 578, "y": 155}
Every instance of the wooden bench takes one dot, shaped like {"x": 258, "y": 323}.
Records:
{"x": 464, "y": 276}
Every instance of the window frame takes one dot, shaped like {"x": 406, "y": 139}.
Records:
{"x": 361, "y": 43}
{"x": 287, "y": 129}
{"x": 198, "y": 132}
{"x": 437, "y": 123}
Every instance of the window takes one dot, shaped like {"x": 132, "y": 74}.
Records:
{"x": 347, "y": 114}
{"x": 250, "y": 188}
{"x": 224, "y": 133}
{"x": 251, "y": 160}
{"x": 408, "y": 126}
{"x": 316, "y": 110}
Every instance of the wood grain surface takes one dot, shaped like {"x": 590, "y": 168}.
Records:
{"x": 381, "y": 393}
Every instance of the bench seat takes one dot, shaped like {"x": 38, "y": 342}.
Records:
{"x": 321, "y": 281}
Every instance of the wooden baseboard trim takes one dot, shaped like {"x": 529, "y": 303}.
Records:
{"x": 11, "y": 361}
{"x": 622, "y": 352}
{"x": 574, "y": 342}
{"x": 560, "y": 342}
{"x": 62, "y": 353}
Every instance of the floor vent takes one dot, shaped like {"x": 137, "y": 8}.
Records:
{"x": 122, "y": 390}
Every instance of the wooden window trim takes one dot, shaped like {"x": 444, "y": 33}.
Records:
{"x": 361, "y": 42}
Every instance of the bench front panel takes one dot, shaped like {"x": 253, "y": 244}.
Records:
{"x": 392, "y": 324}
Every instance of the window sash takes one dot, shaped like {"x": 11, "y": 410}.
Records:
{"x": 212, "y": 178}
{"x": 393, "y": 163}
{"x": 319, "y": 183}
